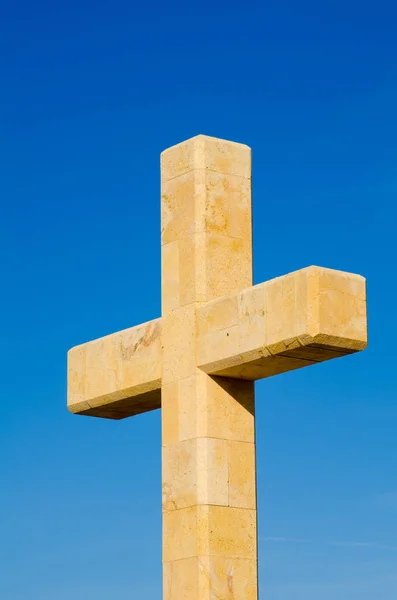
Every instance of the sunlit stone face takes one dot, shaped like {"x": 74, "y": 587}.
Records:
{"x": 198, "y": 362}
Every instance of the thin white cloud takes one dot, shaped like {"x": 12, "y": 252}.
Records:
{"x": 364, "y": 545}
{"x": 345, "y": 544}
{"x": 382, "y": 587}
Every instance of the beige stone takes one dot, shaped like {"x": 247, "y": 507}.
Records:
{"x": 119, "y": 374}
{"x": 229, "y": 578}
{"x": 290, "y": 322}
{"x": 210, "y": 578}
{"x": 216, "y": 336}
{"x": 183, "y": 579}
{"x": 241, "y": 475}
{"x": 205, "y": 152}
{"x": 209, "y": 530}
{"x": 207, "y": 470}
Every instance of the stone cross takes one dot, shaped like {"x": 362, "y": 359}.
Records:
{"x": 198, "y": 362}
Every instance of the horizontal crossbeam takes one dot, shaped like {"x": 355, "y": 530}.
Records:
{"x": 301, "y": 319}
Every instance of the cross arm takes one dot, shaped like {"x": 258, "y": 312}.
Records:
{"x": 118, "y": 375}
{"x": 303, "y": 318}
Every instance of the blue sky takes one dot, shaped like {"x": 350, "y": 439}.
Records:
{"x": 91, "y": 93}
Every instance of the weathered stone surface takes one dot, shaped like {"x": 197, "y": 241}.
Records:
{"x": 118, "y": 375}
{"x": 217, "y": 334}
{"x": 209, "y": 499}
{"x": 298, "y": 320}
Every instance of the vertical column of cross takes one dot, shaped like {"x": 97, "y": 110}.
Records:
{"x": 208, "y": 433}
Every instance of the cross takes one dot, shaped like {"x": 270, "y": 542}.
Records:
{"x": 218, "y": 334}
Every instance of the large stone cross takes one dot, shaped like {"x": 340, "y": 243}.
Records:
{"x": 199, "y": 361}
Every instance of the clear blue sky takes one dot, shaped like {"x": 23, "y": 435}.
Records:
{"x": 91, "y": 93}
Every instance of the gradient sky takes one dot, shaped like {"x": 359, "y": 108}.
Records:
{"x": 91, "y": 93}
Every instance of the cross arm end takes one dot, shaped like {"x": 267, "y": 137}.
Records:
{"x": 117, "y": 376}
{"x": 301, "y": 319}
